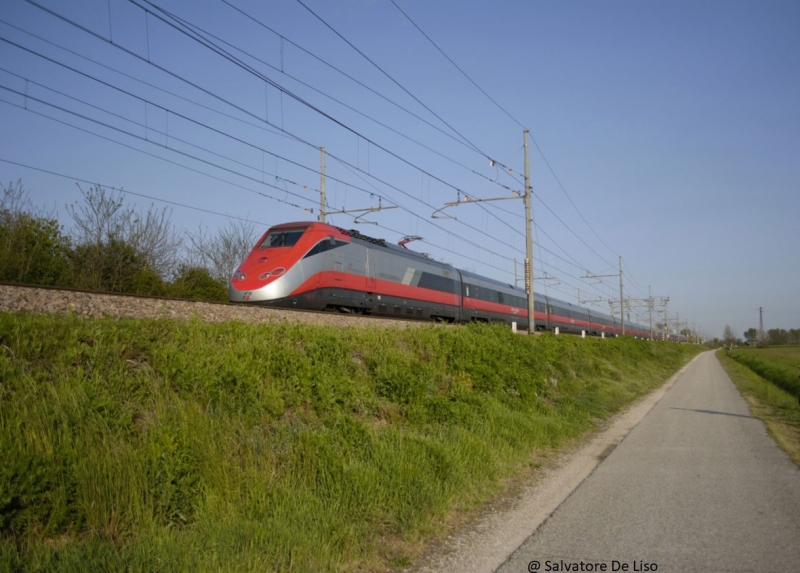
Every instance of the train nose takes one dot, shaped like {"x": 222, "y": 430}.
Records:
{"x": 254, "y": 291}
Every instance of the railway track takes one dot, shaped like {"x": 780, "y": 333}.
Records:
{"x": 91, "y": 304}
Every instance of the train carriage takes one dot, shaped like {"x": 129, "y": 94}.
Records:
{"x": 315, "y": 266}
{"x": 321, "y": 267}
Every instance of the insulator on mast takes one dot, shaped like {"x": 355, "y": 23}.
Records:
{"x": 527, "y": 276}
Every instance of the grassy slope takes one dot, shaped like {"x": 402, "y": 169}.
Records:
{"x": 778, "y": 408}
{"x": 159, "y": 445}
{"x": 778, "y": 364}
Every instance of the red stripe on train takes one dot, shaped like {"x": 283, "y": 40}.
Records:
{"x": 349, "y": 281}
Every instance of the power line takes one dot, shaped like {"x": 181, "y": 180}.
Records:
{"x": 446, "y": 249}
{"x": 151, "y": 154}
{"x": 28, "y": 96}
{"x": 183, "y": 204}
{"x": 630, "y": 278}
{"x": 122, "y": 190}
{"x": 146, "y": 127}
{"x": 385, "y": 73}
{"x": 247, "y": 68}
{"x": 331, "y": 66}
{"x": 175, "y": 203}
{"x": 194, "y": 121}
{"x": 395, "y": 82}
{"x": 198, "y": 30}
{"x": 229, "y": 103}
{"x": 204, "y": 161}
{"x": 541, "y": 153}
{"x": 236, "y": 61}
{"x": 456, "y": 65}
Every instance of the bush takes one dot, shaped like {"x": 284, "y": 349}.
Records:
{"x": 33, "y": 249}
{"x": 197, "y": 283}
{"x": 114, "y": 266}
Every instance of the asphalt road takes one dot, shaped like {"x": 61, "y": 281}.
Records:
{"x": 697, "y": 485}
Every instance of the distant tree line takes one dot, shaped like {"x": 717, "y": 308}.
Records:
{"x": 112, "y": 247}
{"x": 773, "y": 336}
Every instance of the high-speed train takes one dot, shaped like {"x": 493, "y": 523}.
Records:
{"x": 315, "y": 266}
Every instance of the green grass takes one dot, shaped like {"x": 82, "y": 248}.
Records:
{"x": 779, "y": 409}
{"x": 156, "y": 445}
{"x": 778, "y": 364}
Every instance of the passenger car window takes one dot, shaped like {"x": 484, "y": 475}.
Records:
{"x": 282, "y": 238}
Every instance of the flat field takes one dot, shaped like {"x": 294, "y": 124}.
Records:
{"x": 164, "y": 445}
{"x": 789, "y": 355}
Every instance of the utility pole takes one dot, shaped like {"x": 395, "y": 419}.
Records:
{"x": 649, "y": 302}
{"x": 651, "y": 306}
{"x": 621, "y": 309}
{"x": 321, "y": 217}
{"x": 526, "y": 197}
{"x": 528, "y": 240}
{"x": 621, "y": 296}
{"x": 542, "y": 278}
{"x": 761, "y": 324}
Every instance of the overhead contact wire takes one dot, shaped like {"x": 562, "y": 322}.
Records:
{"x": 247, "y": 68}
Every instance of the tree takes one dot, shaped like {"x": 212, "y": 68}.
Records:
{"x": 777, "y": 336}
{"x": 221, "y": 254}
{"x": 120, "y": 250}
{"x": 104, "y": 218}
{"x": 728, "y": 337}
{"x": 33, "y": 248}
{"x": 751, "y": 335}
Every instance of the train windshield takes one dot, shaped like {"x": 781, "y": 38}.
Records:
{"x": 282, "y": 238}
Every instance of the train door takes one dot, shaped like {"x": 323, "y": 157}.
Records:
{"x": 338, "y": 266}
{"x": 547, "y": 310}
{"x": 459, "y": 292}
{"x": 371, "y": 271}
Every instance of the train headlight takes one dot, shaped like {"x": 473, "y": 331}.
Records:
{"x": 277, "y": 272}
{"x": 263, "y": 276}
{"x": 239, "y": 275}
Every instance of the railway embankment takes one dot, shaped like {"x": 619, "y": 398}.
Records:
{"x": 171, "y": 443}
{"x": 65, "y": 302}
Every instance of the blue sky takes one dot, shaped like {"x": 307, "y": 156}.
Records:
{"x": 667, "y": 132}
